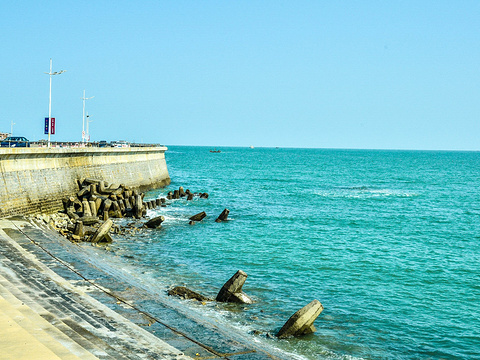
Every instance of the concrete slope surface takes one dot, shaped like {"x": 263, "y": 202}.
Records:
{"x": 43, "y": 316}
{"x": 61, "y": 303}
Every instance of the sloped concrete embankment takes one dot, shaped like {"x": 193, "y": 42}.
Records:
{"x": 51, "y": 277}
{"x": 43, "y": 316}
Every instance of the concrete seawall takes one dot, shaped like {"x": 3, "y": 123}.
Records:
{"x": 34, "y": 180}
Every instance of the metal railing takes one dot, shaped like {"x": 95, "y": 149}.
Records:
{"x": 74, "y": 144}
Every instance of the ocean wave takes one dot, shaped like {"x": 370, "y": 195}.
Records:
{"x": 363, "y": 192}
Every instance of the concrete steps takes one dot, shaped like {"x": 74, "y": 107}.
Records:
{"x": 31, "y": 311}
{"x": 57, "y": 321}
{"x": 26, "y": 333}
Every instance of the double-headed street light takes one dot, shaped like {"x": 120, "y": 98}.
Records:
{"x": 50, "y": 99}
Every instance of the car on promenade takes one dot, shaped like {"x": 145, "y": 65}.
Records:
{"x": 102, "y": 143}
{"x": 15, "y": 141}
{"x": 120, "y": 144}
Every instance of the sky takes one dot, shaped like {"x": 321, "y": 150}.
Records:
{"x": 394, "y": 74}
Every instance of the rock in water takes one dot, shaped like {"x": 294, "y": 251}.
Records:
{"x": 155, "y": 222}
{"x": 185, "y": 293}
{"x": 223, "y": 216}
{"x": 181, "y": 193}
{"x": 102, "y": 230}
{"x": 232, "y": 290}
{"x": 138, "y": 206}
{"x": 176, "y": 194}
{"x": 199, "y": 216}
{"x": 301, "y": 323}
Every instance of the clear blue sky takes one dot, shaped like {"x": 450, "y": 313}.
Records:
{"x": 326, "y": 74}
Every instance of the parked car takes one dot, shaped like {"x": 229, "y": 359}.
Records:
{"x": 120, "y": 144}
{"x": 15, "y": 141}
{"x": 102, "y": 143}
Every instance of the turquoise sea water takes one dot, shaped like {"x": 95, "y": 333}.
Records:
{"x": 387, "y": 241}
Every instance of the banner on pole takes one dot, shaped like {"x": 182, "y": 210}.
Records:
{"x": 52, "y": 127}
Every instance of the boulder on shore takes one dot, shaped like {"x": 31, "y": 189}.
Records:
{"x": 102, "y": 230}
{"x": 89, "y": 220}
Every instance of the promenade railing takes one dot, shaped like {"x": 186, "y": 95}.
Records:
{"x": 69, "y": 144}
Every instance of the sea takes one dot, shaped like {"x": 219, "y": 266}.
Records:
{"x": 387, "y": 241}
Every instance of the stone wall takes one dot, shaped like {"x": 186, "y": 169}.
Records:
{"x": 34, "y": 180}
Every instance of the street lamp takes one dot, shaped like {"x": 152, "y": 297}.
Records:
{"x": 50, "y": 98}
{"x": 88, "y": 121}
{"x": 83, "y": 117}
{"x": 11, "y": 128}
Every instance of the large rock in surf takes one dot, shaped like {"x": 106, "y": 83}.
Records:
{"x": 223, "y": 216}
{"x": 155, "y": 222}
{"x": 198, "y": 217}
{"x": 186, "y": 293}
{"x": 301, "y": 323}
{"x": 181, "y": 193}
{"x": 102, "y": 231}
{"x": 138, "y": 206}
{"x": 232, "y": 290}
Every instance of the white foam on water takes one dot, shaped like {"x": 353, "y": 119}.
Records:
{"x": 363, "y": 193}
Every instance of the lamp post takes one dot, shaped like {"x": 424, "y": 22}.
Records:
{"x": 83, "y": 117}
{"x": 11, "y": 128}
{"x": 50, "y": 98}
{"x": 88, "y": 121}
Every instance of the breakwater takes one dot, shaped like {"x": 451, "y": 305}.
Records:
{"x": 34, "y": 180}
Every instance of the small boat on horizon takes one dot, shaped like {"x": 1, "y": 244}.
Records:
{"x": 215, "y": 151}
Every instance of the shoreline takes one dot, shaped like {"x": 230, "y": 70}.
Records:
{"x": 181, "y": 337}
{"x": 47, "y": 317}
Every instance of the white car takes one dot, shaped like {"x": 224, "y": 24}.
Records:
{"x": 120, "y": 144}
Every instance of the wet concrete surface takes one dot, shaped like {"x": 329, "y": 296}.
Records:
{"x": 51, "y": 274}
